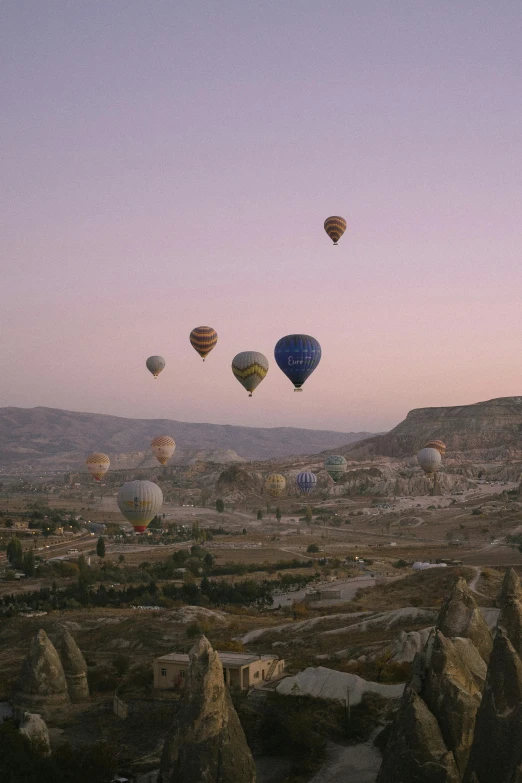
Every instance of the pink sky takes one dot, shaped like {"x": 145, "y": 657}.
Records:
{"x": 170, "y": 164}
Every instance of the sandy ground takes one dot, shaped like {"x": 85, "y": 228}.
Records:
{"x": 355, "y": 763}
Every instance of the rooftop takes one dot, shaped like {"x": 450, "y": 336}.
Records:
{"x": 228, "y": 659}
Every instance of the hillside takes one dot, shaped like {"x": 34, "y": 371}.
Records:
{"x": 492, "y": 429}
{"x": 49, "y": 438}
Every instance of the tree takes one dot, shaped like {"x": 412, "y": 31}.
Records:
{"x": 220, "y": 506}
{"x": 259, "y": 514}
{"x": 100, "y": 547}
{"x": 121, "y": 663}
{"x": 28, "y": 563}
{"x": 308, "y": 515}
{"x": 14, "y": 552}
{"x": 312, "y": 548}
{"x": 156, "y": 523}
{"x": 278, "y": 514}
{"x": 121, "y": 559}
{"x": 208, "y": 560}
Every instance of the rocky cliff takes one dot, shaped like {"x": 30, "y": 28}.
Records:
{"x": 495, "y": 425}
{"x": 206, "y": 743}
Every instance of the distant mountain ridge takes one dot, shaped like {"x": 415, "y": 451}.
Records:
{"x": 50, "y": 438}
{"x": 490, "y": 426}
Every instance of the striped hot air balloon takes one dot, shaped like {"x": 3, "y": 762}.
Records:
{"x": 335, "y": 465}
{"x": 436, "y": 444}
{"x": 250, "y": 367}
{"x": 155, "y": 364}
{"x": 98, "y": 464}
{"x": 163, "y": 447}
{"x": 306, "y": 481}
{"x": 203, "y": 339}
{"x": 275, "y": 484}
{"x": 335, "y": 227}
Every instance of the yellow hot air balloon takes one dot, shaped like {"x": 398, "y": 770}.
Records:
{"x": 203, "y": 339}
{"x": 335, "y": 227}
{"x": 275, "y": 484}
{"x": 163, "y": 447}
{"x": 98, "y": 464}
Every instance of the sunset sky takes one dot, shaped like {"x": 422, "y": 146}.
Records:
{"x": 167, "y": 164}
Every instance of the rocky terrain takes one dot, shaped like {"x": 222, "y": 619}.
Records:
{"x": 492, "y": 428}
{"x": 460, "y": 718}
{"x": 48, "y": 438}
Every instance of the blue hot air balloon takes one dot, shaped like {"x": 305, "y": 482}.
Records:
{"x": 297, "y": 355}
{"x": 306, "y": 481}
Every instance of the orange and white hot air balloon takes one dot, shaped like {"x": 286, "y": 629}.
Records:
{"x": 163, "y": 447}
{"x": 98, "y": 464}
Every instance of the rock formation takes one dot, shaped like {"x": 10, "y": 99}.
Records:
{"x": 416, "y": 752}
{"x": 35, "y": 728}
{"x": 453, "y": 696}
{"x": 510, "y": 602}
{"x": 74, "y": 667}
{"x": 444, "y": 695}
{"x": 206, "y": 743}
{"x": 42, "y": 685}
{"x": 496, "y": 753}
{"x": 460, "y": 616}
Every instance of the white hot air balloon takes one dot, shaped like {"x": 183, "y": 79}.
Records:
{"x": 139, "y": 502}
{"x": 163, "y": 447}
{"x": 429, "y": 460}
{"x": 155, "y": 364}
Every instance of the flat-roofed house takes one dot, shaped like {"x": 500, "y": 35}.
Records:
{"x": 241, "y": 671}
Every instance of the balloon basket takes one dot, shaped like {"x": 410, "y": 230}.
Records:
{"x": 298, "y": 390}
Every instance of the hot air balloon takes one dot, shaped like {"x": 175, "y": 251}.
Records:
{"x": 275, "y": 484}
{"x": 250, "y": 367}
{"x": 429, "y": 460}
{"x": 163, "y": 447}
{"x": 335, "y": 465}
{"x": 335, "y": 227}
{"x": 297, "y": 355}
{"x": 306, "y": 481}
{"x": 155, "y": 364}
{"x": 98, "y": 464}
{"x": 203, "y": 339}
{"x": 436, "y": 444}
{"x": 139, "y": 502}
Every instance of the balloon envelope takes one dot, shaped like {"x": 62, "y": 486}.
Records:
{"x": 306, "y": 481}
{"x": 335, "y": 227}
{"x": 139, "y": 502}
{"x": 436, "y": 444}
{"x": 275, "y": 484}
{"x": 155, "y": 364}
{"x": 335, "y": 465}
{"x": 163, "y": 447}
{"x": 297, "y": 355}
{"x": 429, "y": 460}
{"x": 98, "y": 464}
{"x": 250, "y": 367}
{"x": 203, "y": 339}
